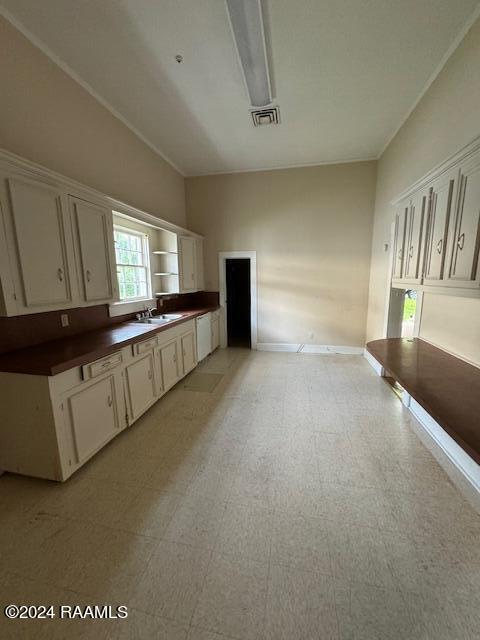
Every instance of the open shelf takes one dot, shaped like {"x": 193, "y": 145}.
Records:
{"x": 166, "y": 273}
{"x": 165, "y": 253}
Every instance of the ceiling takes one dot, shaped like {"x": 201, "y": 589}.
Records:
{"x": 345, "y": 72}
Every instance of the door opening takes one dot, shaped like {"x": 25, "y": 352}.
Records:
{"x": 238, "y": 298}
{"x": 409, "y": 311}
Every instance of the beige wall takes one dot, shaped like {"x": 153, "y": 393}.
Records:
{"x": 447, "y": 118}
{"x": 49, "y": 118}
{"x": 311, "y": 228}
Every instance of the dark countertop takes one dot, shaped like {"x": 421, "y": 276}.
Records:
{"x": 447, "y": 387}
{"x": 51, "y": 358}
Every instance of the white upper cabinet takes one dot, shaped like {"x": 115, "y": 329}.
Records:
{"x": 95, "y": 252}
{"x": 399, "y": 240}
{"x": 187, "y": 264}
{"x": 40, "y": 246}
{"x": 415, "y": 237}
{"x": 464, "y": 243}
{"x": 438, "y": 224}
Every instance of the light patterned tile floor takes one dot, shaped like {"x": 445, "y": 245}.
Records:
{"x": 293, "y": 501}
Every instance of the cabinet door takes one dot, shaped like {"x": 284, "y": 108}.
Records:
{"x": 465, "y": 242}
{"x": 187, "y": 263}
{"x": 94, "y": 417}
{"x": 399, "y": 240}
{"x": 188, "y": 352}
{"x": 40, "y": 232}
{"x": 199, "y": 270}
{"x": 215, "y": 332}
{"x": 141, "y": 390}
{"x": 414, "y": 238}
{"x": 439, "y": 217}
{"x": 169, "y": 364}
{"x": 94, "y": 241}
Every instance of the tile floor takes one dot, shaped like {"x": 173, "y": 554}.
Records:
{"x": 293, "y": 502}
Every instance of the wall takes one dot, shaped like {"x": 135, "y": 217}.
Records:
{"x": 311, "y": 228}
{"x": 446, "y": 119}
{"x": 47, "y": 117}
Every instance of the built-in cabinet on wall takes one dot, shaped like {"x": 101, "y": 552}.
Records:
{"x": 437, "y": 232}
{"x": 39, "y": 246}
{"x": 95, "y": 250}
{"x": 187, "y": 264}
{"x": 57, "y": 247}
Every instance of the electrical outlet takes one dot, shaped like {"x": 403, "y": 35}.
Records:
{"x": 64, "y": 320}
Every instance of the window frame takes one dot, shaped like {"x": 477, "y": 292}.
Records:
{"x": 146, "y": 254}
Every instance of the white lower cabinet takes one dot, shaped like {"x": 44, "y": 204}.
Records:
{"x": 169, "y": 365}
{"x": 141, "y": 388}
{"x": 51, "y": 425}
{"x": 93, "y": 417}
{"x": 189, "y": 352}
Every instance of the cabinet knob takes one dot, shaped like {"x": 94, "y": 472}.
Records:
{"x": 461, "y": 242}
{"x": 60, "y": 274}
{"x": 439, "y": 245}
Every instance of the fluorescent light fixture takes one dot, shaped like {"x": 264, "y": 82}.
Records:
{"x": 246, "y": 19}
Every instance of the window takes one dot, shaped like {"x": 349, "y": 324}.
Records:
{"x": 133, "y": 269}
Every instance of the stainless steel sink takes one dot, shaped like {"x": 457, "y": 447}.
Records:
{"x": 163, "y": 319}
{"x": 171, "y": 316}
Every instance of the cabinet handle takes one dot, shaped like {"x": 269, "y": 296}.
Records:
{"x": 400, "y": 254}
{"x": 150, "y": 374}
{"x": 107, "y": 363}
{"x": 439, "y": 245}
{"x": 410, "y": 254}
{"x": 174, "y": 358}
{"x": 461, "y": 242}
{"x": 88, "y": 274}
{"x": 60, "y": 274}
{"x": 109, "y": 401}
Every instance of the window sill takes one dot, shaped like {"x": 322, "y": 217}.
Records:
{"x": 130, "y": 306}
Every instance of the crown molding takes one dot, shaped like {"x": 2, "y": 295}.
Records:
{"x": 12, "y": 162}
{"x": 283, "y": 167}
{"x": 459, "y": 156}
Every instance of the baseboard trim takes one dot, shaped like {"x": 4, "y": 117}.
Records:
{"x": 308, "y": 348}
{"x": 373, "y": 363}
{"x": 461, "y": 468}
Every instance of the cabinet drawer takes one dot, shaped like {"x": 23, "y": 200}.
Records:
{"x": 94, "y": 369}
{"x": 142, "y": 347}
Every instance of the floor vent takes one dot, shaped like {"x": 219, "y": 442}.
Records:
{"x": 262, "y": 117}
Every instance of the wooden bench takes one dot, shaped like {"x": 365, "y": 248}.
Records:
{"x": 447, "y": 387}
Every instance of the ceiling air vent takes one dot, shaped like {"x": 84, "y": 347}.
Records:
{"x": 261, "y": 117}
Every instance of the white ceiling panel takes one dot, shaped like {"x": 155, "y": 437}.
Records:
{"x": 345, "y": 72}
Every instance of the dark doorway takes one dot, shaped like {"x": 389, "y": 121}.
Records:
{"x": 238, "y": 302}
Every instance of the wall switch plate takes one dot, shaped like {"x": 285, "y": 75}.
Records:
{"x": 64, "y": 320}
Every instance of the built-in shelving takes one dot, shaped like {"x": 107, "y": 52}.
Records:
{"x": 165, "y": 253}
{"x": 165, "y": 266}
